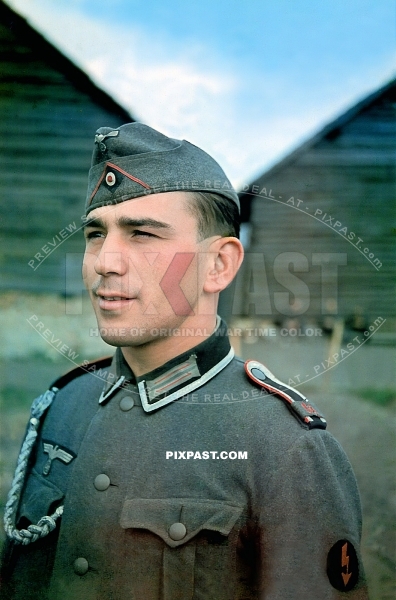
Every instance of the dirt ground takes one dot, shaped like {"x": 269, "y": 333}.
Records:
{"x": 367, "y": 433}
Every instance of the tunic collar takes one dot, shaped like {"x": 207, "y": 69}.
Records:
{"x": 177, "y": 377}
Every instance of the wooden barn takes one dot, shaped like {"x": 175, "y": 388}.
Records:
{"x": 323, "y": 231}
{"x": 49, "y": 112}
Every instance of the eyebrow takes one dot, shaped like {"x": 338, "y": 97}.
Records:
{"x": 124, "y": 222}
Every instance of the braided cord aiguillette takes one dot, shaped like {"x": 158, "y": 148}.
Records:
{"x": 46, "y": 524}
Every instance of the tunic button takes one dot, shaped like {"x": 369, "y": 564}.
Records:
{"x": 102, "y": 482}
{"x": 259, "y": 374}
{"x": 127, "y": 403}
{"x": 80, "y": 566}
{"x": 177, "y": 531}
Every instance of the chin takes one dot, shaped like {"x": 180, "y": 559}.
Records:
{"x": 113, "y": 341}
{"x": 121, "y": 341}
{"x": 125, "y": 336}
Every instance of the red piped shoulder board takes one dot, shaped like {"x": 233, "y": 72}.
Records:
{"x": 298, "y": 404}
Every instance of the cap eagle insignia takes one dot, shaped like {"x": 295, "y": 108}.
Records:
{"x": 54, "y": 452}
{"x": 99, "y": 137}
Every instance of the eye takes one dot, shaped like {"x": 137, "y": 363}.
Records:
{"x": 90, "y": 235}
{"x": 140, "y": 233}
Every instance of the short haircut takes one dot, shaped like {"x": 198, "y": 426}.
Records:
{"x": 215, "y": 214}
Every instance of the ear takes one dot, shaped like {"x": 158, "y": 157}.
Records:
{"x": 226, "y": 256}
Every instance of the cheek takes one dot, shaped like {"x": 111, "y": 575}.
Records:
{"x": 182, "y": 266}
{"x": 173, "y": 277}
{"x": 88, "y": 270}
{"x": 182, "y": 283}
{"x": 159, "y": 267}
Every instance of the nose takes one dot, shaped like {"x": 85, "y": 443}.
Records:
{"x": 111, "y": 259}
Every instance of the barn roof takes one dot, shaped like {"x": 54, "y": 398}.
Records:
{"x": 332, "y": 129}
{"x": 333, "y": 196}
{"x": 49, "y": 112}
{"x": 54, "y": 58}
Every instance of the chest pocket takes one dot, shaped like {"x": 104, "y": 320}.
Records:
{"x": 198, "y": 556}
{"x": 178, "y": 520}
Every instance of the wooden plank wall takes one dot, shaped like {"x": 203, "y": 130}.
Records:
{"x": 49, "y": 112}
{"x": 350, "y": 176}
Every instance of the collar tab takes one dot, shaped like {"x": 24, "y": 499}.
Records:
{"x": 177, "y": 377}
{"x": 186, "y": 389}
{"x": 173, "y": 379}
{"x": 109, "y": 390}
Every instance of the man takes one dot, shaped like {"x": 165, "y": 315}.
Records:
{"x": 172, "y": 471}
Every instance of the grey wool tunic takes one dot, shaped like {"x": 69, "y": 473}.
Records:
{"x": 158, "y": 507}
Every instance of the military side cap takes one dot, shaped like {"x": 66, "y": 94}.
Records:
{"x": 135, "y": 160}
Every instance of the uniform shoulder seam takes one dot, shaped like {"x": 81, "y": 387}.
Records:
{"x": 85, "y": 367}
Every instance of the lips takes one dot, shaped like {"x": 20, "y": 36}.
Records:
{"x": 114, "y": 298}
{"x": 109, "y": 300}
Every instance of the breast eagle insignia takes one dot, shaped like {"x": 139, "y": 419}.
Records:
{"x": 54, "y": 451}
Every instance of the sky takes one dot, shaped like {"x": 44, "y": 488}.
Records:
{"x": 247, "y": 81}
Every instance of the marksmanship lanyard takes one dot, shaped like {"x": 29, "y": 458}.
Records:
{"x": 48, "y": 523}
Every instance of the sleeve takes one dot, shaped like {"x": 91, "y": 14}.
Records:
{"x": 310, "y": 526}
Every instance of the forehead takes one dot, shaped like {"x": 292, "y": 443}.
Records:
{"x": 169, "y": 206}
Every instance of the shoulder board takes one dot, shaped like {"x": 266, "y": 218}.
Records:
{"x": 296, "y": 402}
{"x": 86, "y": 367}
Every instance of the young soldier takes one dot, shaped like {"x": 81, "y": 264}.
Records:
{"x": 174, "y": 471}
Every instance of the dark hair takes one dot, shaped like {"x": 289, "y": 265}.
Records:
{"x": 215, "y": 214}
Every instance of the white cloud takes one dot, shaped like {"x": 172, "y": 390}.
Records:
{"x": 180, "y": 92}
{"x": 245, "y": 120}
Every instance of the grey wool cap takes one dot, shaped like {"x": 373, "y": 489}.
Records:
{"x": 135, "y": 160}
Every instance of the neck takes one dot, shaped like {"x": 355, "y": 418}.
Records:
{"x": 153, "y": 354}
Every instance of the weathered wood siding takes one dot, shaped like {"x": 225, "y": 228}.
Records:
{"x": 49, "y": 112}
{"x": 339, "y": 185}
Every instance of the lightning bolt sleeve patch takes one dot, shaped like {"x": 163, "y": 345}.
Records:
{"x": 343, "y": 566}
